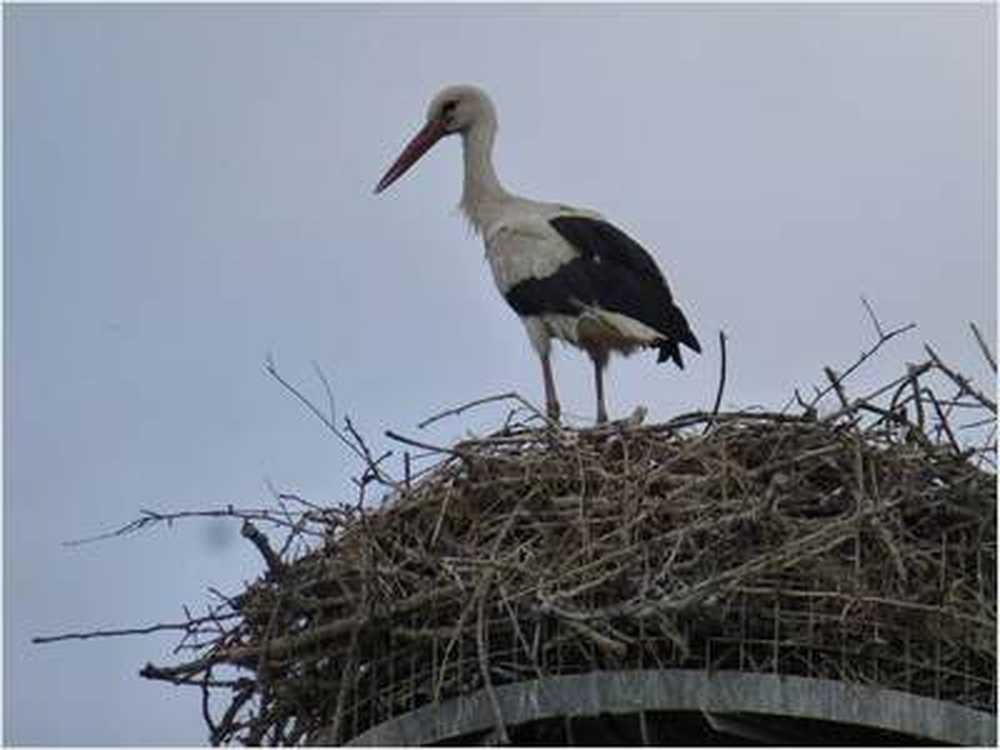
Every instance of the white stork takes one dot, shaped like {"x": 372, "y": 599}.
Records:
{"x": 567, "y": 272}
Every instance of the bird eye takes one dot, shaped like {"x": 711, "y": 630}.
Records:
{"x": 449, "y": 107}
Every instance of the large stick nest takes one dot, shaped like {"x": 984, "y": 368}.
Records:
{"x": 860, "y": 546}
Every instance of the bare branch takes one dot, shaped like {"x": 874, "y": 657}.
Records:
{"x": 418, "y": 444}
{"x": 263, "y": 545}
{"x": 151, "y": 518}
{"x": 982, "y": 346}
{"x": 509, "y": 396}
{"x": 117, "y": 633}
{"x": 961, "y": 381}
{"x": 873, "y": 317}
{"x": 272, "y": 370}
{"x": 359, "y": 450}
{"x": 722, "y": 381}
{"x": 329, "y": 391}
{"x": 943, "y": 421}
{"x": 470, "y": 405}
{"x": 837, "y": 386}
{"x": 864, "y": 357}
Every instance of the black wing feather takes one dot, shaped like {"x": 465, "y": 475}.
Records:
{"x": 613, "y": 272}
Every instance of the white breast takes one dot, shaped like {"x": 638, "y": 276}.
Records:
{"x": 523, "y": 245}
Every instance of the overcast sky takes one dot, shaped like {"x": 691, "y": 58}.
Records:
{"x": 189, "y": 188}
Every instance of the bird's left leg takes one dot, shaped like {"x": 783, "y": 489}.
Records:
{"x": 551, "y": 401}
{"x": 541, "y": 341}
{"x": 600, "y": 358}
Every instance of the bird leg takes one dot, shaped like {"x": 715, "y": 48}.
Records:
{"x": 551, "y": 402}
{"x": 600, "y": 358}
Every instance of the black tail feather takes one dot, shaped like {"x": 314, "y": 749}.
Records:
{"x": 670, "y": 349}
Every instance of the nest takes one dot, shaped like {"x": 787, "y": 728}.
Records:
{"x": 860, "y": 546}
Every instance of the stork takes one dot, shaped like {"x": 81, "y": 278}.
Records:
{"x": 568, "y": 273}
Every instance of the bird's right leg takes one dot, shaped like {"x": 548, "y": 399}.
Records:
{"x": 600, "y": 358}
{"x": 602, "y": 410}
{"x": 551, "y": 401}
{"x": 540, "y": 339}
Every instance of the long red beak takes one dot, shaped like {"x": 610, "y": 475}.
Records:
{"x": 430, "y": 134}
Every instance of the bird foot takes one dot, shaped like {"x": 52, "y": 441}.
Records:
{"x": 553, "y": 410}
{"x": 602, "y": 412}
{"x": 635, "y": 419}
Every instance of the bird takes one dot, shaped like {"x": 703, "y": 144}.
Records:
{"x": 567, "y": 272}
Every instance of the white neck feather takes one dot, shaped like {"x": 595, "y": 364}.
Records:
{"x": 482, "y": 194}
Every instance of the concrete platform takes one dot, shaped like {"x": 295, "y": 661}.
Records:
{"x": 736, "y": 707}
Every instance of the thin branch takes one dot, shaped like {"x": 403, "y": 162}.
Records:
{"x": 837, "y": 386}
{"x": 722, "y": 382}
{"x": 943, "y": 421}
{"x": 464, "y": 407}
{"x": 182, "y": 626}
{"x": 874, "y": 318}
{"x": 484, "y": 669}
{"x": 226, "y": 723}
{"x": 272, "y": 370}
{"x": 865, "y": 356}
{"x": 291, "y": 496}
{"x": 263, "y": 545}
{"x": 883, "y": 339}
{"x": 426, "y": 446}
{"x": 205, "y": 713}
{"x": 961, "y": 381}
{"x": 151, "y": 518}
{"x": 329, "y": 391}
{"x": 372, "y": 472}
{"x": 911, "y": 376}
{"x": 982, "y": 346}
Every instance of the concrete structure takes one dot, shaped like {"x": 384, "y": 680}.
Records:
{"x": 689, "y": 707}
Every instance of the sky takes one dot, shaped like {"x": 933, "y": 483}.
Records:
{"x": 188, "y": 190}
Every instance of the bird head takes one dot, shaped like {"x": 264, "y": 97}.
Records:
{"x": 455, "y": 109}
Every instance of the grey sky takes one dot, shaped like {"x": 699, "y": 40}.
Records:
{"x": 188, "y": 188}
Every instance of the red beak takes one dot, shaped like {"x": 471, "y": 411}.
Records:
{"x": 430, "y": 134}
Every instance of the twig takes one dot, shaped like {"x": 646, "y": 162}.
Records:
{"x": 352, "y": 662}
{"x": 961, "y": 381}
{"x": 291, "y": 496}
{"x": 911, "y": 376}
{"x": 982, "y": 346}
{"x": 372, "y": 471}
{"x": 213, "y": 729}
{"x": 511, "y": 395}
{"x": 151, "y": 518}
{"x": 837, "y": 386}
{"x": 869, "y": 397}
{"x": 272, "y": 370}
{"x": 159, "y": 627}
{"x": 864, "y": 357}
{"x": 225, "y": 726}
{"x": 943, "y": 421}
{"x": 722, "y": 383}
{"x": 329, "y": 391}
{"x": 426, "y": 446}
{"x": 484, "y": 668}
{"x": 377, "y": 473}
{"x": 874, "y": 318}
{"x": 263, "y": 545}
